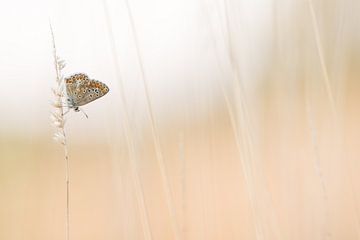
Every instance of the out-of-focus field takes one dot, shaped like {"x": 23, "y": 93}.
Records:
{"x": 269, "y": 149}
{"x": 206, "y": 177}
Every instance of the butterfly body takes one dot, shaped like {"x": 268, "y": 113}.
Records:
{"x": 81, "y": 90}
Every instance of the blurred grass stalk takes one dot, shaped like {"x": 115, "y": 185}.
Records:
{"x": 264, "y": 217}
{"x": 128, "y": 132}
{"x": 155, "y": 134}
{"x": 338, "y": 128}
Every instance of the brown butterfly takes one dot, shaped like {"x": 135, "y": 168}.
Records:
{"x": 81, "y": 90}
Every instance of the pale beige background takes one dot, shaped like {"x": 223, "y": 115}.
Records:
{"x": 255, "y": 103}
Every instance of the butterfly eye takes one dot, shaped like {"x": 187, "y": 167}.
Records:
{"x": 79, "y": 96}
{"x": 84, "y": 91}
{"x": 90, "y": 95}
{"x": 89, "y": 90}
{"x": 75, "y": 93}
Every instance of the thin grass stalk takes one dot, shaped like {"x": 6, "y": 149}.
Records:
{"x": 59, "y": 121}
{"x": 324, "y": 69}
{"x": 183, "y": 183}
{"x": 144, "y": 216}
{"x": 243, "y": 141}
{"x": 317, "y": 160}
{"x": 247, "y": 147}
{"x": 331, "y": 100}
{"x": 239, "y": 146}
{"x": 244, "y": 144}
{"x": 154, "y": 131}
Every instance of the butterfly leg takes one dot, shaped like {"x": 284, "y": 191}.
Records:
{"x": 66, "y": 112}
{"x": 83, "y": 112}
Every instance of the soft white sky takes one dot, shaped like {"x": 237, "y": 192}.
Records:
{"x": 176, "y": 44}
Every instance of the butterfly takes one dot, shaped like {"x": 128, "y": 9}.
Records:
{"x": 81, "y": 90}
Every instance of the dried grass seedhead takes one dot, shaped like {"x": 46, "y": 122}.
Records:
{"x": 57, "y": 114}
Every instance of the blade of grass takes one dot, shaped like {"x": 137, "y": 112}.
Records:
{"x": 242, "y": 142}
{"x": 320, "y": 50}
{"x": 317, "y": 161}
{"x": 329, "y": 91}
{"x": 245, "y": 146}
{"x": 154, "y": 131}
{"x": 128, "y": 132}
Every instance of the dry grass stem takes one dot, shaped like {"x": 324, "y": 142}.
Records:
{"x": 155, "y": 134}
{"x": 317, "y": 160}
{"x": 320, "y": 50}
{"x": 242, "y": 148}
{"x": 244, "y": 142}
{"x": 128, "y": 133}
{"x": 330, "y": 94}
{"x": 58, "y": 120}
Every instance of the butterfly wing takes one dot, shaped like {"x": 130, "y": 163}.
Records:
{"x": 74, "y": 85}
{"x": 74, "y": 82}
{"x": 89, "y": 91}
{"x": 81, "y": 90}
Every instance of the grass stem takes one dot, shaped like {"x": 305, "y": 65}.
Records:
{"x": 59, "y": 122}
{"x": 128, "y": 133}
{"x": 155, "y": 134}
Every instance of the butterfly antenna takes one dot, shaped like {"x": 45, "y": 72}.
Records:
{"x": 83, "y": 112}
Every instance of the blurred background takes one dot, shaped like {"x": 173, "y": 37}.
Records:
{"x": 226, "y": 119}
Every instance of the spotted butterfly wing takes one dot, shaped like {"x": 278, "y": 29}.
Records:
{"x": 81, "y": 90}
{"x": 91, "y": 91}
{"x": 72, "y": 86}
